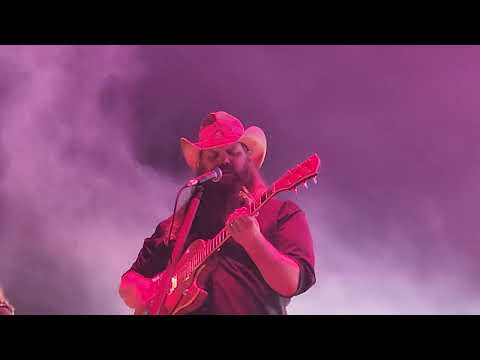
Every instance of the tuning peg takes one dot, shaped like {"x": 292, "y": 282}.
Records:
{"x": 305, "y": 184}
{"x": 315, "y": 179}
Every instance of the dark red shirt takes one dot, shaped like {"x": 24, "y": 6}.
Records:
{"x": 236, "y": 286}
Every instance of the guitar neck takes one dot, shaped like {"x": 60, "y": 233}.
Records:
{"x": 218, "y": 240}
{"x": 302, "y": 172}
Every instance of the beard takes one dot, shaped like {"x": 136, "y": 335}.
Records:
{"x": 220, "y": 199}
{"x": 232, "y": 180}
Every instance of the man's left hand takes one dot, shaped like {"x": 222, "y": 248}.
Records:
{"x": 244, "y": 228}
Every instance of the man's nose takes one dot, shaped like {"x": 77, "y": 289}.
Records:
{"x": 225, "y": 160}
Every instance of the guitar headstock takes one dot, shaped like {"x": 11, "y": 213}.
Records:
{"x": 299, "y": 174}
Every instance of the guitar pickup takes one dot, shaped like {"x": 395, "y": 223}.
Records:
{"x": 173, "y": 285}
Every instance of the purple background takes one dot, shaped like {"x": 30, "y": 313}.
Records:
{"x": 90, "y": 162}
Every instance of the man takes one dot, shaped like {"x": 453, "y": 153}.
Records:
{"x": 269, "y": 258}
{"x": 5, "y": 307}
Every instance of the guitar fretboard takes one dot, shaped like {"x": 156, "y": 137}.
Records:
{"x": 218, "y": 240}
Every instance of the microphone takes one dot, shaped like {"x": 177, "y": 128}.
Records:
{"x": 215, "y": 175}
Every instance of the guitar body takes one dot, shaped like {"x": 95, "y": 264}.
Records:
{"x": 180, "y": 294}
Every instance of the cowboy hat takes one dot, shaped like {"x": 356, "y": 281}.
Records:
{"x": 220, "y": 129}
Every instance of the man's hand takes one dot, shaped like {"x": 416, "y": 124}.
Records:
{"x": 136, "y": 290}
{"x": 278, "y": 270}
{"x": 244, "y": 228}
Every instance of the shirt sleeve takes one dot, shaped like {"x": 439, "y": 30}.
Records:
{"x": 154, "y": 254}
{"x": 294, "y": 239}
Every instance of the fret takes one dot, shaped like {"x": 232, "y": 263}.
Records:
{"x": 263, "y": 198}
{"x": 270, "y": 192}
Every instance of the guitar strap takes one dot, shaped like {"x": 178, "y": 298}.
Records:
{"x": 184, "y": 230}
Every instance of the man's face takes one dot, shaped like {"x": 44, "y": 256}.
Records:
{"x": 233, "y": 160}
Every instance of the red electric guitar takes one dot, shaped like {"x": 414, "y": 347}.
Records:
{"x": 179, "y": 288}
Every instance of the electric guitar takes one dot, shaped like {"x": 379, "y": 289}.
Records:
{"x": 179, "y": 289}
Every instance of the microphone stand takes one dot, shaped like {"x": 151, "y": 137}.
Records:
{"x": 182, "y": 235}
{"x": 184, "y": 230}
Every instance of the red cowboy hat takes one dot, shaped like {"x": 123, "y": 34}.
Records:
{"x": 220, "y": 129}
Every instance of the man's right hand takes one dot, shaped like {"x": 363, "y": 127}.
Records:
{"x": 136, "y": 290}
